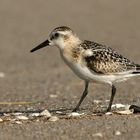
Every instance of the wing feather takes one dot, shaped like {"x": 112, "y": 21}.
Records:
{"x": 106, "y": 61}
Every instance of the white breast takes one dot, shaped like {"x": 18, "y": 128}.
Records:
{"x": 83, "y": 72}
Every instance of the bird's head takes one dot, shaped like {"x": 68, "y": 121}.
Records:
{"x": 59, "y": 37}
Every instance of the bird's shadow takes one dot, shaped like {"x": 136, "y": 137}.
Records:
{"x": 35, "y": 111}
{"x": 62, "y": 111}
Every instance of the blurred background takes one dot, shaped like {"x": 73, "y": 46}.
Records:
{"x": 42, "y": 75}
{"x": 43, "y": 78}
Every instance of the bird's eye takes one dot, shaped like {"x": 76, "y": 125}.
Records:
{"x": 56, "y": 35}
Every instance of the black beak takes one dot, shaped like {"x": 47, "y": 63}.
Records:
{"x": 42, "y": 45}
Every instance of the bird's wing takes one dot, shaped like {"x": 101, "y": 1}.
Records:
{"x": 105, "y": 60}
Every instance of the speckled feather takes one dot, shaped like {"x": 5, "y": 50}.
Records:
{"x": 105, "y": 60}
{"x": 62, "y": 28}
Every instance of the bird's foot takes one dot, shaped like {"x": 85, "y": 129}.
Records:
{"x": 108, "y": 109}
{"x": 75, "y": 109}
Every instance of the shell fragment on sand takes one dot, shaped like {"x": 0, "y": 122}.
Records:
{"x": 35, "y": 115}
{"x": 97, "y": 101}
{"x": 22, "y": 118}
{"x": 53, "y": 95}
{"x": 18, "y": 122}
{"x": 118, "y": 106}
{"x": 125, "y": 112}
{"x": 2, "y": 75}
{"x": 1, "y": 120}
{"x": 118, "y": 133}
{"x": 97, "y": 135}
{"x": 75, "y": 114}
{"x": 46, "y": 113}
{"x": 108, "y": 113}
{"x": 53, "y": 119}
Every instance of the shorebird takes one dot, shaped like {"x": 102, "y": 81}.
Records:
{"x": 91, "y": 61}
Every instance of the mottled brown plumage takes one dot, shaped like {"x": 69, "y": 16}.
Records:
{"x": 105, "y": 60}
{"x": 62, "y": 28}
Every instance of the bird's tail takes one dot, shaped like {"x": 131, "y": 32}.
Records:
{"x": 137, "y": 69}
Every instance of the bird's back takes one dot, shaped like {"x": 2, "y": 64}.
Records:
{"x": 105, "y": 60}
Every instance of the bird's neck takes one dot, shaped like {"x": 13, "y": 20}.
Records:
{"x": 69, "y": 42}
{"x": 71, "y": 52}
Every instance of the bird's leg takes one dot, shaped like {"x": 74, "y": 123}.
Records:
{"x": 111, "y": 98}
{"x": 82, "y": 97}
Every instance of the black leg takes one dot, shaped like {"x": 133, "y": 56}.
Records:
{"x": 111, "y": 98}
{"x": 82, "y": 97}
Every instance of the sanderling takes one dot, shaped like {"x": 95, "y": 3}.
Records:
{"x": 91, "y": 61}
